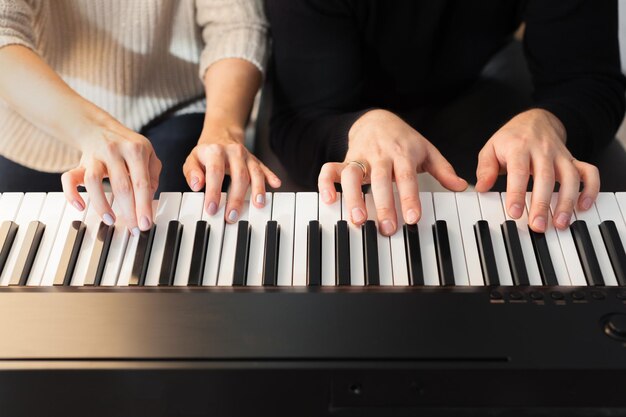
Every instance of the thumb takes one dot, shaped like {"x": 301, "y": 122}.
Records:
{"x": 487, "y": 170}
{"x": 71, "y": 180}
{"x": 194, "y": 173}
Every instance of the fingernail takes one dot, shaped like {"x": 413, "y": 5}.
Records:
{"x": 260, "y": 199}
{"x": 516, "y": 211}
{"x": 194, "y": 182}
{"x": 232, "y": 216}
{"x": 387, "y": 227}
{"x": 411, "y": 216}
{"x": 212, "y": 209}
{"x": 539, "y": 223}
{"x": 562, "y": 219}
{"x": 357, "y": 215}
{"x": 144, "y": 223}
{"x": 135, "y": 231}
{"x": 326, "y": 196}
{"x": 587, "y": 203}
{"x": 107, "y": 219}
{"x": 78, "y": 206}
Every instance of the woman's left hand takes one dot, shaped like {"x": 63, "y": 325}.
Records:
{"x": 533, "y": 143}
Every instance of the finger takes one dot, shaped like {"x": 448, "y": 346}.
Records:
{"x": 351, "y": 181}
{"x": 154, "y": 167}
{"x": 568, "y": 177}
{"x": 382, "y": 191}
{"x": 193, "y": 172}
{"x": 590, "y": 177}
{"x": 543, "y": 186}
{"x": 123, "y": 194}
{"x": 137, "y": 160}
{"x": 270, "y": 176}
{"x": 212, "y": 164}
{"x": 238, "y": 187}
{"x": 487, "y": 170}
{"x": 70, "y": 181}
{"x": 94, "y": 174}
{"x": 257, "y": 183}
{"x": 517, "y": 176}
{"x": 329, "y": 175}
{"x": 408, "y": 190}
{"x": 442, "y": 170}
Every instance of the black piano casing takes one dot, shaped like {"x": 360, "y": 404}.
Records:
{"x": 309, "y": 352}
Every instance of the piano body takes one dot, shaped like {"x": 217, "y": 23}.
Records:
{"x": 294, "y": 311}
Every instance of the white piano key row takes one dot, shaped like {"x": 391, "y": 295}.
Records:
{"x": 293, "y": 213}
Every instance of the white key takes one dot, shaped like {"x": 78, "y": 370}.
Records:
{"x": 258, "y": 222}
{"x": 214, "y": 247}
{"x": 92, "y": 221}
{"x": 9, "y": 205}
{"x": 534, "y": 276}
{"x": 29, "y": 211}
{"x": 70, "y": 214}
{"x": 621, "y": 202}
{"x": 283, "y": 212}
{"x": 554, "y": 247}
{"x": 427, "y": 243}
{"x": 384, "y": 247}
{"x": 119, "y": 242}
{"x": 227, "y": 264}
{"x": 306, "y": 210}
{"x": 568, "y": 249}
{"x": 51, "y": 215}
{"x": 190, "y": 212}
{"x": 608, "y": 209}
{"x": 398, "y": 253}
{"x": 445, "y": 209}
{"x": 329, "y": 214}
{"x": 468, "y": 208}
{"x": 169, "y": 206}
{"x": 493, "y": 212}
{"x": 357, "y": 269}
{"x": 593, "y": 221}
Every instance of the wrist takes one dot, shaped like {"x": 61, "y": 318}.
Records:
{"x": 367, "y": 119}
{"x": 220, "y": 130}
{"x": 550, "y": 119}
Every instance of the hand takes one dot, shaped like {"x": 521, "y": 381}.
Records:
{"x": 220, "y": 151}
{"x": 128, "y": 160}
{"x": 533, "y": 143}
{"x": 392, "y": 151}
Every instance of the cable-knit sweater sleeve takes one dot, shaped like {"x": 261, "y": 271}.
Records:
{"x": 16, "y": 27}
{"x": 232, "y": 29}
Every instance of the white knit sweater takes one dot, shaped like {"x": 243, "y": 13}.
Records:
{"x": 136, "y": 59}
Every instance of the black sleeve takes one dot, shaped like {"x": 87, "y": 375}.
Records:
{"x": 316, "y": 78}
{"x": 573, "y": 54}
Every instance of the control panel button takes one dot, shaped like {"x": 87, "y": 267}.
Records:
{"x": 615, "y": 326}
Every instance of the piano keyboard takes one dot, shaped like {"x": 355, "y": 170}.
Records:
{"x": 462, "y": 239}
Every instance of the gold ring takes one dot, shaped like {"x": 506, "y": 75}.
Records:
{"x": 361, "y": 165}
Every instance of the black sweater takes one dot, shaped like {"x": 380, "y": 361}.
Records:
{"x": 334, "y": 59}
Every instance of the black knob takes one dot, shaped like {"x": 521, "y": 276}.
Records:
{"x": 615, "y": 326}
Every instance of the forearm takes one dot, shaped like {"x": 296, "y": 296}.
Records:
{"x": 231, "y": 85}
{"x": 39, "y": 95}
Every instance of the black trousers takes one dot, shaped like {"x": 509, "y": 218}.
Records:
{"x": 172, "y": 138}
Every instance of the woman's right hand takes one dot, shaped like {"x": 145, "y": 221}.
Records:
{"x": 110, "y": 150}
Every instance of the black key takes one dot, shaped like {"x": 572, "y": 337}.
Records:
{"x": 142, "y": 257}
{"x": 444, "y": 256}
{"x": 544, "y": 261}
{"x": 198, "y": 253}
{"x": 170, "y": 253}
{"x": 485, "y": 251}
{"x": 615, "y": 248}
{"x": 514, "y": 253}
{"x": 413, "y": 254}
{"x": 240, "y": 271}
{"x": 70, "y": 253}
{"x": 342, "y": 253}
{"x": 99, "y": 254}
{"x": 8, "y": 230}
{"x": 370, "y": 253}
{"x": 270, "y": 258}
{"x": 314, "y": 254}
{"x": 28, "y": 252}
{"x": 586, "y": 253}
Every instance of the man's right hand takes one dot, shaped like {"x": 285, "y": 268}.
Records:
{"x": 389, "y": 150}
{"x": 110, "y": 150}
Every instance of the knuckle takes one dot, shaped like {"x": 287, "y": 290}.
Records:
{"x": 567, "y": 203}
{"x": 241, "y": 173}
{"x": 516, "y": 195}
{"x": 405, "y": 176}
{"x": 141, "y": 183}
{"x": 379, "y": 175}
{"x": 214, "y": 170}
{"x": 92, "y": 178}
{"x": 409, "y": 200}
{"x": 238, "y": 150}
{"x": 136, "y": 150}
{"x": 122, "y": 187}
{"x": 546, "y": 174}
{"x": 541, "y": 205}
